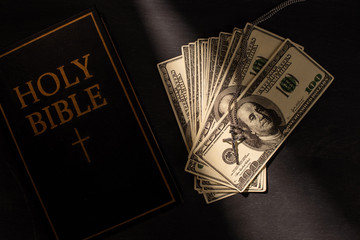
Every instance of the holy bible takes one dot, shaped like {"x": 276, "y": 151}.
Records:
{"x": 75, "y": 123}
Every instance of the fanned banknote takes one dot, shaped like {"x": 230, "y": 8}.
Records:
{"x": 267, "y": 111}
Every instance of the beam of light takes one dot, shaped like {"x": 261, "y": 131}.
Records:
{"x": 166, "y": 28}
{"x": 297, "y": 206}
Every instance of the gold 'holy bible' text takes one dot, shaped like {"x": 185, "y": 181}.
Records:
{"x": 62, "y": 110}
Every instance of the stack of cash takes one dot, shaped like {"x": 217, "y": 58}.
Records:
{"x": 236, "y": 98}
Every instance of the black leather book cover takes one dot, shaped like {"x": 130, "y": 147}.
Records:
{"x": 70, "y": 112}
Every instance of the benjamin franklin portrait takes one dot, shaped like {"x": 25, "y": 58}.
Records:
{"x": 260, "y": 119}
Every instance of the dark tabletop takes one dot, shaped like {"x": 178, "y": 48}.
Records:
{"x": 313, "y": 180}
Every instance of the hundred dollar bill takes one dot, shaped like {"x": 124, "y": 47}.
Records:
{"x": 212, "y": 197}
{"x": 235, "y": 38}
{"x": 185, "y": 55}
{"x": 205, "y": 171}
{"x": 199, "y": 49}
{"x": 254, "y": 186}
{"x": 212, "y": 50}
{"x": 204, "y": 77}
{"x": 198, "y": 86}
{"x": 197, "y": 185}
{"x": 211, "y": 189}
{"x": 223, "y": 44}
{"x": 261, "y": 45}
{"x": 173, "y": 75}
{"x": 210, "y": 186}
{"x": 267, "y": 112}
{"x": 192, "y": 89}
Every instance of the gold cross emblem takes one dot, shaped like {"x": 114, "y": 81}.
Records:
{"x": 81, "y": 142}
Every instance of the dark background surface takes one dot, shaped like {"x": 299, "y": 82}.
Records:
{"x": 313, "y": 180}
